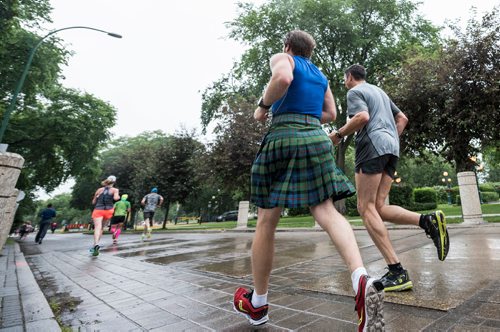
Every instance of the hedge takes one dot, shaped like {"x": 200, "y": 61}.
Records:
{"x": 402, "y": 195}
{"x": 486, "y": 187}
{"x": 489, "y": 196}
{"x": 425, "y": 195}
{"x": 424, "y": 206}
{"x": 351, "y": 204}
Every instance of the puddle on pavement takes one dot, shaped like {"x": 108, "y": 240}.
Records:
{"x": 125, "y": 246}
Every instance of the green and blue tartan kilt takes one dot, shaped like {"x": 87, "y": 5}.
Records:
{"x": 295, "y": 166}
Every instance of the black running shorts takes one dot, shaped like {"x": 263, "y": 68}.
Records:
{"x": 386, "y": 163}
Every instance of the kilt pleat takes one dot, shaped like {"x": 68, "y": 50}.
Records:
{"x": 295, "y": 166}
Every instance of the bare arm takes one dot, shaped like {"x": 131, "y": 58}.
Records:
{"x": 401, "y": 122}
{"x": 161, "y": 201}
{"x": 329, "y": 112}
{"x": 97, "y": 193}
{"x": 356, "y": 123}
{"x": 143, "y": 202}
{"x": 282, "y": 75}
{"x": 116, "y": 195}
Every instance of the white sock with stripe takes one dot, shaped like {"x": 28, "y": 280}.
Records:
{"x": 258, "y": 300}
{"x": 356, "y": 274}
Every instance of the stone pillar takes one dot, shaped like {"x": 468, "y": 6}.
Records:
{"x": 469, "y": 198}
{"x": 10, "y": 168}
{"x": 243, "y": 214}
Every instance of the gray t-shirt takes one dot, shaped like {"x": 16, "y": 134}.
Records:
{"x": 380, "y": 135}
{"x": 151, "y": 202}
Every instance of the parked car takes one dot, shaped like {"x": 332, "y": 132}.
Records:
{"x": 229, "y": 215}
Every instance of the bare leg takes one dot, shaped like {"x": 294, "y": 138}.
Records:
{"x": 393, "y": 213}
{"x": 367, "y": 186}
{"x": 97, "y": 230}
{"x": 340, "y": 232}
{"x": 263, "y": 248}
{"x": 146, "y": 225}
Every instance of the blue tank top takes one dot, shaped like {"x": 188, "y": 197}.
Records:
{"x": 105, "y": 200}
{"x": 306, "y": 93}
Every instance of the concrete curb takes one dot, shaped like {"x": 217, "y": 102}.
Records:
{"x": 34, "y": 312}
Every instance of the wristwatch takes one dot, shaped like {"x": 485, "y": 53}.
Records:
{"x": 264, "y": 106}
{"x": 338, "y": 134}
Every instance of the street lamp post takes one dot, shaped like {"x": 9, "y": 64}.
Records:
{"x": 447, "y": 180}
{"x": 6, "y": 117}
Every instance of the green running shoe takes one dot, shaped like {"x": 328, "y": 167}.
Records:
{"x": 396, "y": 281}
{"x": 439, "y": 234}
{"x": 96, "y": 250}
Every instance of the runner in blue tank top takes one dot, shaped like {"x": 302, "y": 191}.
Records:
{"x": 295, "y": 167}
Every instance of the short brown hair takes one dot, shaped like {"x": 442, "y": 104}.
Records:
{"x": 358, "y": 72}
{"x": 300, "y": 42}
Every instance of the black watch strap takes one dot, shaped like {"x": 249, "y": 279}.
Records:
{"x": 261, "y": 104}
{"x": 338, "y": 134}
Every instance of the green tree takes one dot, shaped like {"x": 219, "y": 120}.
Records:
{"x": 451, "y": 95}
{"x": 238, "y": 137}
{"x": 176, "y": 168}
{"x": 372, "y": 33}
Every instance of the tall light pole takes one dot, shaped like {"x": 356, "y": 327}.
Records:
{"x": 447, "y": 181}
{"x": 20, "y": 83}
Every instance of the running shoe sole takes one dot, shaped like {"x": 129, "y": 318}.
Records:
{"x": 374, "y": 306}
{"x": 444, "y": 239}
{"x": 261, "y": 321}
{"x": 400, "y": 288}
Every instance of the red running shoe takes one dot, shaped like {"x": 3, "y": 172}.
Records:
{"x": 370, "y": 304}
{"x": 243, "y": 304}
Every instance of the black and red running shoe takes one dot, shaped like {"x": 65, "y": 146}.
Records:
{"x": 370, "y": 304}
{"x": 242, "y": 304}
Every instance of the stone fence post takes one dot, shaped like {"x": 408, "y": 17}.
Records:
{"x": 243, "y": 214}
{"x": 469, "y": 198}
{"x": 10, "y": 168}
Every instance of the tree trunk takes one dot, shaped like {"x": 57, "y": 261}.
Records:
{"x": 167, "y": 207}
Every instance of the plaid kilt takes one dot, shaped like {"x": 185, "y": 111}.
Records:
{"x": 295, "y": 166}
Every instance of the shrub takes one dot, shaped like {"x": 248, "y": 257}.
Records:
{"x": 424, "y": 206}
{"x": 351, "y": 204}
{"x": 457, "y": 200}
{"x": 442, "y": 194}
{"x": 425, "y": 195}
{"x": 454, "y": 193}
{"x": 402, "y": 195}
{"x": 489, "y": 196}
{"x": 486, "y": 187}
{"x": 292, "y": 212}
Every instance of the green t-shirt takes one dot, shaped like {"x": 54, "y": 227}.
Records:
{"x": 121, "y": 208}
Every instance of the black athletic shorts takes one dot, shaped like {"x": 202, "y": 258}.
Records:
{"x": 386, "y": 163}
{"x": 149, "y": 215}
{"x": 117, "y": 220}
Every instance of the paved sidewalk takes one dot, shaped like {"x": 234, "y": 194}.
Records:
{"x": 23, "y": 305}
{"x": 185, "y": 281}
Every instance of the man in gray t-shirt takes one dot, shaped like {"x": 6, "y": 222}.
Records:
{"x": 150, "y": 202}
{"x": 378, "y": 123}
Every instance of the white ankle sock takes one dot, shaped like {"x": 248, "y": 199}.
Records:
{"x": 258, "y": 300}
{"x": 355, "y": 277}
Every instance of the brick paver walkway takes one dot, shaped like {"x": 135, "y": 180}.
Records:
{"x": 185, "y": 281}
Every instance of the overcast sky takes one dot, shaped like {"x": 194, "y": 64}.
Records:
{"x": 170, "y": 52}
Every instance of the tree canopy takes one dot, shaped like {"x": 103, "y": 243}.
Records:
{"x": 451, "y": 95}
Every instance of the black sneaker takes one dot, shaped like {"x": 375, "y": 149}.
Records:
{"x": 396, "y": 281}
{"x": 438, "y": 233}
{"x": 95, "y": 252}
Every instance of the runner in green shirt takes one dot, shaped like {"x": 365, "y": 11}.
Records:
{"x": 122, "y": 210}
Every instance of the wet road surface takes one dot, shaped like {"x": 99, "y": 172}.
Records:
{"x": 185, "y": 281}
